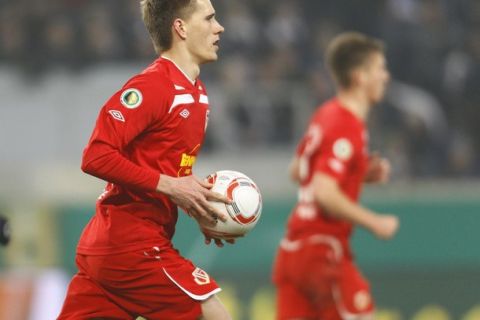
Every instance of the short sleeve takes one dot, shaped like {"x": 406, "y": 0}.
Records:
{"x": 335, "y": 154}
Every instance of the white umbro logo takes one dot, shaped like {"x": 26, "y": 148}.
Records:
{"x": 117, "y": 115}
{"x": 185, "y": 113}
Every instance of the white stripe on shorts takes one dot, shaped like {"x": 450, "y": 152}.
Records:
{"x": 192, "y": 295}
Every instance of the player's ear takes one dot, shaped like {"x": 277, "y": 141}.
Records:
{"x": 357, "y": 76}
{"x": 180, "y": 28}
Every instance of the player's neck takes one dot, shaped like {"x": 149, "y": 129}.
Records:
{"x": 354, "y": 101}
{"x": 183, "y": 62}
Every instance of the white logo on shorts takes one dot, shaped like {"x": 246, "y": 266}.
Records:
{"x": 200, "y": 276}
{"x": 361, "y": 300}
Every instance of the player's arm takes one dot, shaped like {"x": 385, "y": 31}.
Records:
{"x": 106, "y": 162}
{"x": 127, "y": 114}
{"x": 294, "y": 169}
{"x": 330, "y": 197}
{"x": 304, "y": 147}
{"x": 378, "y": 170}
{"x": 117, "y": 126}
{"x": 189, "y": 193}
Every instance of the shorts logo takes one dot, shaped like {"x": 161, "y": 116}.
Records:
{"x": 200, "y": 277}
{"x": 342, "y": 149}
{"x": 361, "y": 300}
{"x": 117, "y": 115}
{"x": 131, "y": 98}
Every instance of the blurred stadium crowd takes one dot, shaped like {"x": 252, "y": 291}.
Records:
{"x": 270, "y": 75}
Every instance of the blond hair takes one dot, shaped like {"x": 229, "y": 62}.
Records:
{"x": 158, "y": 17}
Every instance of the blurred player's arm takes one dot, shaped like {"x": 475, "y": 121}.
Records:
{"x": 305, "y": 143}
{"x": 378, "y": 170}
{"x": 294, "y": 169}
{"x": 331, "y": 198}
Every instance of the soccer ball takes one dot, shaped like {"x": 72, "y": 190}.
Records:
{"x": 244, "y": 211}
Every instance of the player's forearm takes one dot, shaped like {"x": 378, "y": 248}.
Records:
{"x": 165, "y": 184}
{"x": 339, "y": 206}
{"x": 104, "y": 162}
{"x": 294, "y": 170}
{"x": 329, "y": 196}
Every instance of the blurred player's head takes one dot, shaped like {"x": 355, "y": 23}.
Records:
{"x": 188, "y": 25}
{"x": 357, "y": 61}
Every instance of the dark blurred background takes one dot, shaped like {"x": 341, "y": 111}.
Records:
{"x": 428, "y": 123}
{"x": 61, "y": 60}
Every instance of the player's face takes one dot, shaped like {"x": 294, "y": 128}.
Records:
{"x": 203, "y": 33}
{"x": 376, "y": 77}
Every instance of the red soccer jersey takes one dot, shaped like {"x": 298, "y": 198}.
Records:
{"x": 334, "y": 144}
{"x": 155, "y": 124}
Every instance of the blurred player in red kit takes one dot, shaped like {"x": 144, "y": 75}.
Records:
{"x": 145, "y": 142}
{"x": 314, "y": 272}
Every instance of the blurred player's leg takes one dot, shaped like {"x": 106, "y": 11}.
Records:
{"x": 352, "y": 294}
{"x": 304, "y": 274}
{"x": 213, "y": 309}
{"x": 316, "y": 281}
{"x": 292, "y": 304}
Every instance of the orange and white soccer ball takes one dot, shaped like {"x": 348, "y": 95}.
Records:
{"x": 244, "y": 211}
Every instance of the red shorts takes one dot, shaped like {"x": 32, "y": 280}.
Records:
{"x": 155, "y": 283}
{"x": 316, "y": 280}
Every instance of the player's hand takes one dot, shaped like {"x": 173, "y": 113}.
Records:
{"x": 386, "y": 226}
{"x": 378, "y": 170}
{"x": 193, "y": 196}
{"x": 218, "y": 242}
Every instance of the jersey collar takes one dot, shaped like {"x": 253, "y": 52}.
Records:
{"x": 192, "y": 82}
